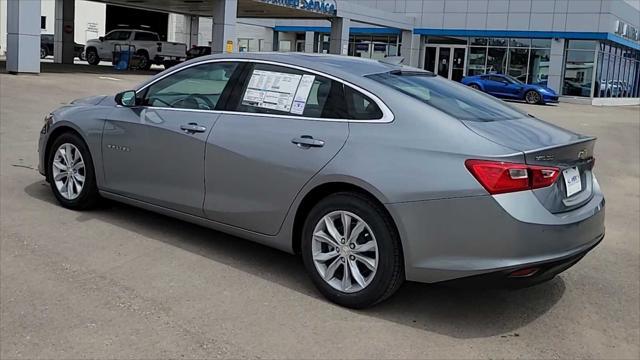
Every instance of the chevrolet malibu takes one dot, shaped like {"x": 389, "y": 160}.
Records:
{"x": 374, "y": 173}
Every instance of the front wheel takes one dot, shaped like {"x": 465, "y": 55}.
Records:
{"x": 474, "y": 86}
{"x": 43, "y": 52}
{"x": 351, "y": 250}
{"x": 71, "y": 174}
{"x": 532, "y": 97}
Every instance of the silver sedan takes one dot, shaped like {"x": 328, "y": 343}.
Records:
{"x": 374, "y": 173}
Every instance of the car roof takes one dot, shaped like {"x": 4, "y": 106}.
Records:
{"x": 337, "y": 65}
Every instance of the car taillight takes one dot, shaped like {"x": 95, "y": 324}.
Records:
{"x": 499, "y": 177}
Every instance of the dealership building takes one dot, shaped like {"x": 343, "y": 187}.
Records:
{"x": 587, "y": 50}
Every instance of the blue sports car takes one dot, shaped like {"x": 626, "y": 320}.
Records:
{"x": 505, "y": 86}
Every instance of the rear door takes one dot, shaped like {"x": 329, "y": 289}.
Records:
{"x": 155, "y": 152}
{"x": 282, "y": 126}
{"x": 116, "y": 37}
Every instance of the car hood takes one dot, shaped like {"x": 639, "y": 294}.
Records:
{"x": 90, "y": 100}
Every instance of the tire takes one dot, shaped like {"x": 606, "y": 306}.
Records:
{"x": 87, "y": 196}
{"x": 532, "y": 97}
{"x": 475, "y": 86}
{"x": 145, "y": 62}
{"x": 92, "y": 57}
{"x": 43, "y": 52}
{"x": 379, "y": 246}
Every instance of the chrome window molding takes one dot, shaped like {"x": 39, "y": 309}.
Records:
{"x": 387, "y": 114}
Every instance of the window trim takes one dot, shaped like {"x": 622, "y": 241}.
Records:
{"x": 387, "y": 114}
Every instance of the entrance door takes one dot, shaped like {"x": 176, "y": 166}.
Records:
{"x": 446, "y": 61}
{"x": 457, "y": 64}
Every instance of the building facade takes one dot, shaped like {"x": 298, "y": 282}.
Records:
{"x": 580, "y": 48}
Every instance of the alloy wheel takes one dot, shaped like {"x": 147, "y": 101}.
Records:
{"x": 345, "y": 251}
{"x": 68, "y": 171}
{"x": 533, "y": 97}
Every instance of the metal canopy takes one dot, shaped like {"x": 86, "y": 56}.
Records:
{"x": 246, "y": 8}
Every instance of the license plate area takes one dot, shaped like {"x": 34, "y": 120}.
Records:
{"x": 572, "y": 181}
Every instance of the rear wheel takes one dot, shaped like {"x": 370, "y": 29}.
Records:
{"x": 71, "y": 174}
{"x": 43, "y": 52}
{"x": 532, "y": 97}
{"x": 145, "y": 62}
{"x": 92, "y": 57}
{"x": 351, "y": 250}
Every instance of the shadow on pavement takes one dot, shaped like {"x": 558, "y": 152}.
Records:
{"x": 459, "y": 313}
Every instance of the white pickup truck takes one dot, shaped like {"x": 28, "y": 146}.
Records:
{"x": 145, "y": 44}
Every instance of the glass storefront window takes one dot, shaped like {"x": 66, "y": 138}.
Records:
{"x": 582, "y": 44}
{"x": 498, "y": 41}
{"x": 496, "y": 60}
{"x": 520, "y": 42}
{"x": 478, "y": 41}
{"x": 541, "y": 43}
{"x": 477, "y": 59}
{"x": 578, "y": 72}
{"x": 449, "y": 40}
{"x": 518, "y": 59}
{"x": 538, "y": 66}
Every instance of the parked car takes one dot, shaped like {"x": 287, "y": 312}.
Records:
{"x": 197, "y": 51}
{"x": 145, "y": 44}
{"x": 46, "y": 47}
{"x": 373, "y": 172}
{"x": 505, "y": 86}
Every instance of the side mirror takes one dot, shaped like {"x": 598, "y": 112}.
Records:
{"x": 101, "y": 38}
{"x": 126, "y": 98}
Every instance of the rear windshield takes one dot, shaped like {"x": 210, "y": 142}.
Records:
{"x": 452, "y": 98}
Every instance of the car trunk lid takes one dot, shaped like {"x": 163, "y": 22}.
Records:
{"x": 545, "y": 144}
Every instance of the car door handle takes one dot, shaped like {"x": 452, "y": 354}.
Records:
{"x": 306, "y": 141}
{"x": 193, "y": 128}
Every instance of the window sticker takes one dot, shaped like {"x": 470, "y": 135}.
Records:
{"x": 271, "y": 90}
{"x": 300, "y": 100}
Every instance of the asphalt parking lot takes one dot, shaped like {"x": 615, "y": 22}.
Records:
{"x": 120, "y": 282}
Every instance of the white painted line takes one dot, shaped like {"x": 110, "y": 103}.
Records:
{"x": 108, "y": 78}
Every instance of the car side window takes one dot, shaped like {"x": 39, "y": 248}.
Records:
{"x": 118, "y": 35}
{"x": 196, "y": 87}
{"x": 360, "y": 106}
{"x": 272, "y": 89}
{"x": 145, "y": 36}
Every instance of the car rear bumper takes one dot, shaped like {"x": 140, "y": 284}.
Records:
{"x": 550, "y": 98}
{"x": 462, "y": 237}
{"x": 525, "y": 275}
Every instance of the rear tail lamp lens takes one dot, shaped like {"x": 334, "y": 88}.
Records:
{"x": 502, "y": 177}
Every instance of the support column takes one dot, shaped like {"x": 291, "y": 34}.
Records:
{"x": 309, "y": 37}
{"x": 224, "y": 26}
{"x": 23, "y": 37}
{"x": 410, "y": 49}
{"x": 194, "y": 29}
{"x": 63, "y": 39}
{"x": 556, "y": 62}
{"x": 339, "y": 42}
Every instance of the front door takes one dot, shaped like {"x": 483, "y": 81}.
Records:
{"x": 155, "y": 152}
{"x": 276, "y": 134}
{"x": 446, "y": 61}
